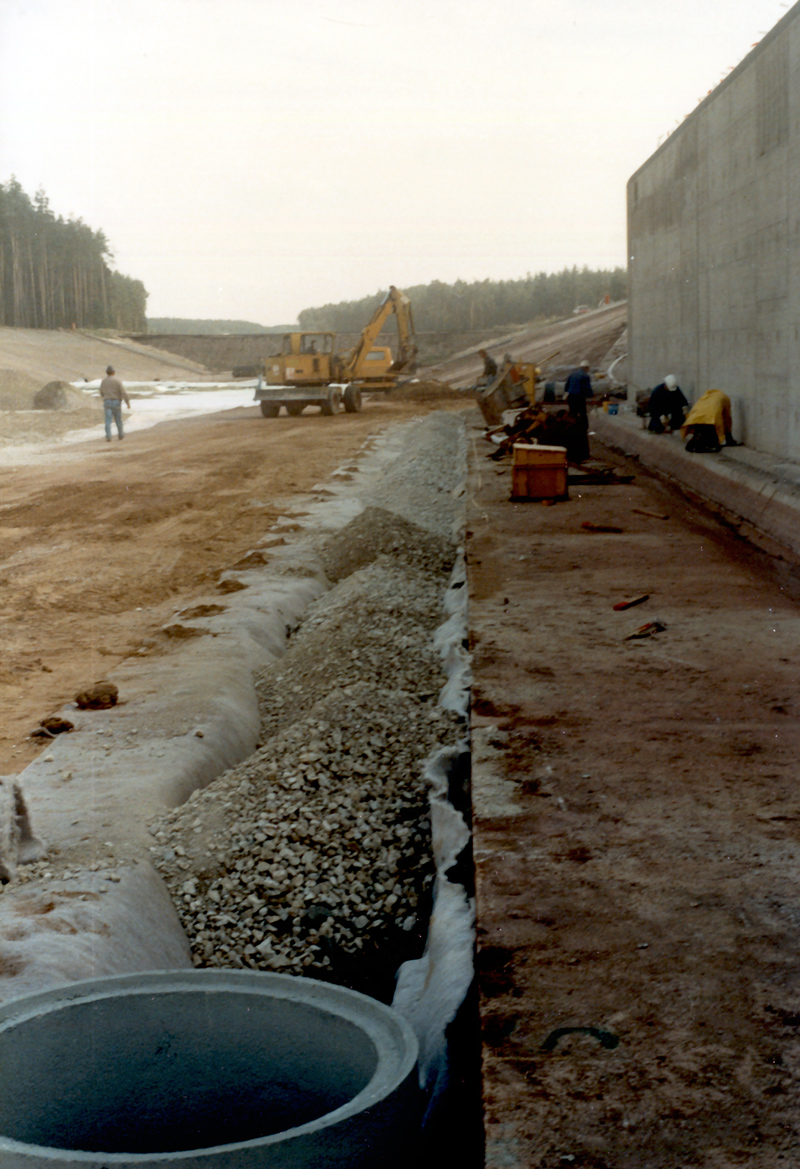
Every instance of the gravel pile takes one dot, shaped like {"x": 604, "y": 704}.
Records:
{"x": 426, "y": 483}
{"x": 376, "y": 627}
{"x": 314, "y": 856}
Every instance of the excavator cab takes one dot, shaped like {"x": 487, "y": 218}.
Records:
{"x": 304, "y": 359}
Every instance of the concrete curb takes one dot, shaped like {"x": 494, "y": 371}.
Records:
{"x": 750, "y": 485}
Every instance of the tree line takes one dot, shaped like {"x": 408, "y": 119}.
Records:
{"x": 206, "y": 327}
{"x": 482, "y": 304}
{"x": 55, "y": 273}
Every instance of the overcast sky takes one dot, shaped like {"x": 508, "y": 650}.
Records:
{"x": 250, "y": 158}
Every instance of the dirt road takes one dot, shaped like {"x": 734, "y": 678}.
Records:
{"x": 102, "y": 543}
{"x": 636, "y": 831}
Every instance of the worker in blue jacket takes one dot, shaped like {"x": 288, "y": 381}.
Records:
{"x": 578, "y": 389}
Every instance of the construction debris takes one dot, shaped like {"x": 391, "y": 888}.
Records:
{"x": 620, "y": 605}
{"x": 647, "y": 630}
{"x": 535, "y": 425}
{"x": 654, "y": 515}
{"x": 597, "y": 474}
{"x": 51, "y": 726}
{"x": 590, "y": 527}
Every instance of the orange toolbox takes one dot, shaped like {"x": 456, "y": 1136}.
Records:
{"x": 539, "y": 472}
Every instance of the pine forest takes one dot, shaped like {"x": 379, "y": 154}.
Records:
{"x": 55, "y": 273}
{"x": 482, "y": 304}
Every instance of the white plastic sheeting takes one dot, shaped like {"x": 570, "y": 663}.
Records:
{"x": 431, "y": 989}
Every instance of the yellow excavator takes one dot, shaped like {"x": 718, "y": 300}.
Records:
{"x": 309, "y": 372}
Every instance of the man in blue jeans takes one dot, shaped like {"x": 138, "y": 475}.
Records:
{"x": 113, "y": 394}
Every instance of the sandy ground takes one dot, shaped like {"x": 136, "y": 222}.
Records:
{"x": 636, "y": 831}
{"x": 101, "y": 544}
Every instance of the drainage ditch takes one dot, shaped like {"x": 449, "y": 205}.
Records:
{"x": 337, "y": 851}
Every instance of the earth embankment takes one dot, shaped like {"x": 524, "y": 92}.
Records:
{"x": 47, "y": 355}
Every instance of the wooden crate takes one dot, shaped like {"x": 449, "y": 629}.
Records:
{"x": 531, "y": 454}
{"x": 539, "y": 472}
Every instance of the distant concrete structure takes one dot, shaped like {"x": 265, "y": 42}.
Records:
{"x": 714, "y": 248}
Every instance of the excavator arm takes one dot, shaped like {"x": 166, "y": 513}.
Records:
{"x": 354, "y": 366}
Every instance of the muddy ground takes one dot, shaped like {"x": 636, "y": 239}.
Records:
{"x": 637, "y": 830}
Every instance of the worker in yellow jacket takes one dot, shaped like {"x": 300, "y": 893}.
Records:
{"x": 708, "y": 423}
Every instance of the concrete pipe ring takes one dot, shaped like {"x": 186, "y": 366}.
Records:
{"x": 206, "y": 1069}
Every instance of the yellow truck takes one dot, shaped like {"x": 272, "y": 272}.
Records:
{"x": 309, "y": 372}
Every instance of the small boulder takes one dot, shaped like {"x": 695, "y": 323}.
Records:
{"x": 178, "y": 630}
{"x": 51, "y": 726}
{"x": 57, "y": 725}
{"x": 100, "y": 696}
{"x": 230, "y": 585}
{"x": 53, "y": 396}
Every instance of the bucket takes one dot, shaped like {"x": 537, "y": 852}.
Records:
{"x": 206, "y": 1069}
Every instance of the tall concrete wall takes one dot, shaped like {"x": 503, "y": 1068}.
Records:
{"x": 714, "y": 248}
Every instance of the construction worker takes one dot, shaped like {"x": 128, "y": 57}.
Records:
{"x": 489, "y": 366}
{"x": 667, "y": 401}
{"x": 578, "y": 389}
{"x": 513, "y": 383}
{"x": 708, "y": 424}
{"x": 113, "y": 394}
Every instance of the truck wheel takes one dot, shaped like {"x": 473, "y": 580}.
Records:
{"x": 293, "y": 409}
{"x": 332, "y": 403}
{"x": 270, "y": 409}
{"x": 352, "y": 400}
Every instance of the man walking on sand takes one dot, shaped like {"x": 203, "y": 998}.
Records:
{"x": 113, "y": 394}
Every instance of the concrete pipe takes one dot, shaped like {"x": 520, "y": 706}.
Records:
{"x": 205, "y": 1069}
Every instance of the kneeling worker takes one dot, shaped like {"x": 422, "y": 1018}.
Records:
{"x": 667, "y": 401}
{"x": 708, "y": 424}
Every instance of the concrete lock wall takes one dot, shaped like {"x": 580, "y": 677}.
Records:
{"x": 204, "y": 1070}
{"x": 714, "y": 248}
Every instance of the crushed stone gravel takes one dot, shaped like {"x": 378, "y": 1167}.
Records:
{"x": 314, "y": 856}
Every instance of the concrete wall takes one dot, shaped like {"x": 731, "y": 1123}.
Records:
{"x": 714, "y": 248}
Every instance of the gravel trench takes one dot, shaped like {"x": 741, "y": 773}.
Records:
{"x": 314, "y": 856}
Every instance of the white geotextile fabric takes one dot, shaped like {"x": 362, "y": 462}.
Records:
{"x": 431, "y": 989}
